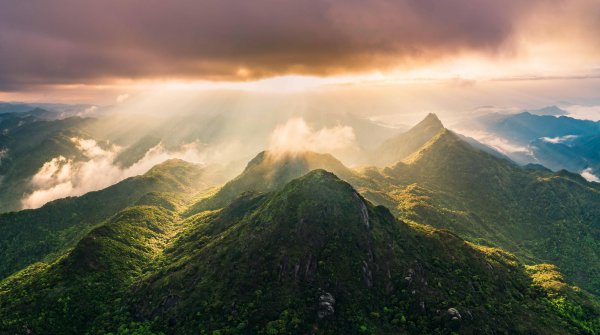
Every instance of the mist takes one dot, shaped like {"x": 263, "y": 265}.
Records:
{"x": 297, "y": 136}
{"x": 590, "y": 176}
{"x": 62, "y": 177}
{"x": 229, "y": 127}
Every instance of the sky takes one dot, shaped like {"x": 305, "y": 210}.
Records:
{"x": 104, "y": 51}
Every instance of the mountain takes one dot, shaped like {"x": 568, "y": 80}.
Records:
{"x": 23, "y": 116}
{"x": 525, "y": 127}
{"x": 481, "y": 146}
{"x": 51, "y": 111}
{"x": 269, "y": 171}
{"x": 555, "y": 142}
{"x": 10, "y": 108}
{"x": 548, "y": 110}
{"x": 399, "y": 147}
{"x": 574, "y": 152}
{"x": 313, "y": 257}
{"x": 82, "y": 290}
{"x": 26, "y": 144}
{"x": 472, "y": 243}
{"x": 536, "y": 214}
{"x": 137, "y": 151}
{"x": 31, "y": 236}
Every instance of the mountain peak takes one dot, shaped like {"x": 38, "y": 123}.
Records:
{"x": 273, "y": 158}
{"x": 172, "y": 164}
{"x": 403, "y": 145}
{"x": 443, "y": 143}
{"x": 316, "y": 183}
{"x": 290, "y": 165}
{"x": 431, "y": 120}
{"x": 321, "y": 177}
{"x": 548, "y": 110}
{"x": 320, "y": 196}
{"x": 269, "y": 171}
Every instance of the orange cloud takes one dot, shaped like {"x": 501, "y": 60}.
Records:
{"x": 72, "y": 41}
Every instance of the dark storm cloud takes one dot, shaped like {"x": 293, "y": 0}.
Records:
{"x": 74, "y": 41}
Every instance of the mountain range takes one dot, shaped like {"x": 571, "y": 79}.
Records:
{"x": 32, "y": 135}
{"x": 547, "y": 137}
{"x": 27, "y": 142}
{"x": 439, "y": 237}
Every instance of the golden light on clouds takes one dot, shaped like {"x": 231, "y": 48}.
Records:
{"x": 65, "y": 51}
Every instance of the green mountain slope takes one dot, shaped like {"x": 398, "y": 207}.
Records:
{"x": 537, "y": 214}
{"x": 269, "y": 171}
{"x": 313, "y": 257}
{"x": 33, "y": 235}
{"x": 84, "y": 289}
{"x": 28, "y": 142}
{"x": 399, "y": 147}
{"x": 555, "y": 141}
{"x": 276, "y": 264}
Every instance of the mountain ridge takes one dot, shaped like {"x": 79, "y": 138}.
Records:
{"x": 268, "y": 171}
{"x": 62, "y": 222}
{"x": 399, "y": 147}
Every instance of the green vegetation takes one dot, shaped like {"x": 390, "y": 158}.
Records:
{"x": 84, "y": 289}
{"x": 574, "y": 305}
{"x": 401, "y": 146}
{"x": 472, "y": 244}
{"x": 538, "y": 215}
{"x": 28, "y": 143}
{"x": 269, "y": 171}
{"x": 42, "y": 234}
{"x": 313, "y": 257}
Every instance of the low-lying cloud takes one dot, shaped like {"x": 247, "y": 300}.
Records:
{"x": 584, "y": 112}
{"x": 501, "y": 144}
{"x": 559, "y": 139}
{"x": 297, "y": 136}
{"x": 589, "y": 175}
{"x": 62, "y": 177}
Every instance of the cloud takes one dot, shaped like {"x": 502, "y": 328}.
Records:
{"x": 503, "y": 145}
{"x": 583, "y": 112}
{"x": 73, "y": 42}
{"x": 87, "y": 111}
{"x": 559, "y": 139}
{"x": 296, "y": 136}
{"x": 62, "y": 177}
{"x": 589, "y": 176}
{"x": 122, "y": 97}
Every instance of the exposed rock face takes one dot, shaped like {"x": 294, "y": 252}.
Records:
{"x": 367, "y": 274}
{"x": 454, "y": 314}
{"x": 326, "y": 305}
{"x": 364, "y": 212}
